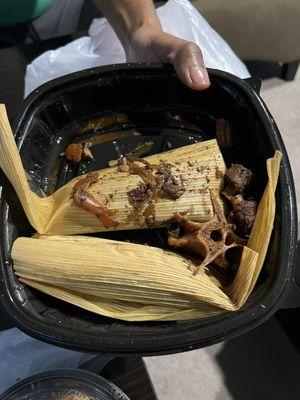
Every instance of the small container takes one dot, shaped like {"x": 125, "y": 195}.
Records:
{"x": 162, "y": 109}
{"x": 64, "y": 384}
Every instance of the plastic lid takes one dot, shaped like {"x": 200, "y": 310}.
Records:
{"x": 64, "y": 385}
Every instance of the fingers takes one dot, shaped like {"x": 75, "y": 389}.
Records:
{"x": 189, "y": 66}
{"x": 186, "y": 57}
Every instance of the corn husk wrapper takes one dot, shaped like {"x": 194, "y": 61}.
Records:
{"x": 139, "y": 283}
{"x": 123, "y": 280}
{"x": 198, "y": 166}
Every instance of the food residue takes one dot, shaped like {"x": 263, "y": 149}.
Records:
{"x": 158, "y": 181}
{"x": 76, "y": 151}
{"x": 103, "y": 122}
{"x": 141, "y": 150}
{"x": 139, "y": 195}
{"x": 87, "y": 202}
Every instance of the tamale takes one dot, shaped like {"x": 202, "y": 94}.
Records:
{"x": 139, "y": 283}
{"x": 197, "y": 168}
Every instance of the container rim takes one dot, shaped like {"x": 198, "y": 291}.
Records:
{"x": 106, "y": 386}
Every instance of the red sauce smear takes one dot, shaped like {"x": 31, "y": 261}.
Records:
{"x": 87, "y": 202}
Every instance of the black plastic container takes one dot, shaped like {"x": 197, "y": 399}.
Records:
{"x": 152, "y": 96}
{"x": 64, "y": 384}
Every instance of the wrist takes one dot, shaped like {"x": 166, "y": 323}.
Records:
{"x": 140, "y": 44}
{"x": 148, "y": 28}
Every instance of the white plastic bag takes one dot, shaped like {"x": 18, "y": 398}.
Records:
{"x": 101, "y": 47}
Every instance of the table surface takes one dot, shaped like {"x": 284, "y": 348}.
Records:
{"x": 127, "y": 373}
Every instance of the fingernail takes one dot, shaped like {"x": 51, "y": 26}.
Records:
{"x": 199, "y": 76}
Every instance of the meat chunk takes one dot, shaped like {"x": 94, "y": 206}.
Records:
{"x": 238, "y": 177}
{"x": 170, "y": 187}
{"x": 139, "y": 195}
{"x": 155, "y": 185}
{"x": 243, "y": 212}
{"x": 243, "y": 215}
{"x": 76, "y": 151}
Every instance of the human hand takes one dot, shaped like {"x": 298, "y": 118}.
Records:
{"x": 152, "y": 44}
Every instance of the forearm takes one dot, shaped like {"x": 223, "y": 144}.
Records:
{"x": 140, "y": 32}
{"x": 127, "y": 16}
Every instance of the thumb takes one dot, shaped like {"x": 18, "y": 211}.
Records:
{"x": 189, "y": 65}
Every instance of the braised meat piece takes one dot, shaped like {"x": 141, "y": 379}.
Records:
{"x": 243, "y": 211}
{"x": 170, "y": 187}
{"x": 76, "y": 151}
{"x": 243, "y": 215}
{"x": 238, "y": 177}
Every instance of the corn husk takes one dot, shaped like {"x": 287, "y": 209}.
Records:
{"x": 199, "y": 167}
{"x": 139, "y": 283}
{"x": 124, "y": 280}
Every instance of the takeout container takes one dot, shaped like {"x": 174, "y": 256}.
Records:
{"x": 64, "y": 384}
{"x": 152, "y": 97}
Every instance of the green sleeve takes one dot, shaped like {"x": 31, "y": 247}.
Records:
{"x": 14, "y": 12}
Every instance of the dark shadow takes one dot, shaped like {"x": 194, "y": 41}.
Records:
{"x": 89, "y": 11}
{"x": 264, "y": 69}
{"x": 20, "y": 30}
{"x": 288, "y": 318}
{"x": 260, "y": 365}
{"x": 5, "y": 321}
{"x": 131, "y": 376}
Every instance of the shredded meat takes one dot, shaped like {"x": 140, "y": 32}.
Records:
{"x": 210, "y": 239}
{"x": 150, "y": 213}
{"x": 87, "y": 202}
{"x": 161, "y": 183}
{"x": 145, "y": 172}
{"x": 238, "y": 177}
{"x": 170, "y": 188}
{"x": 139, "y": 195}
